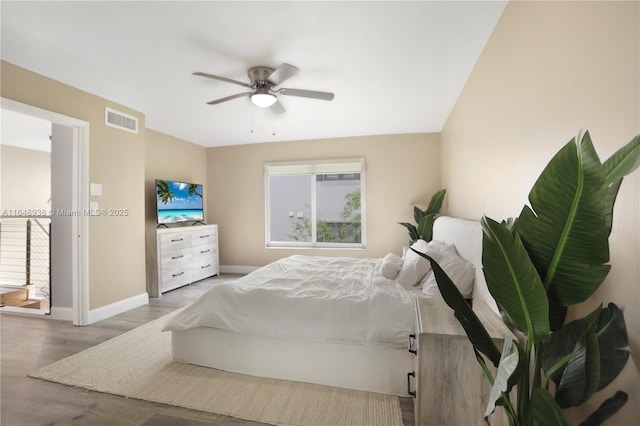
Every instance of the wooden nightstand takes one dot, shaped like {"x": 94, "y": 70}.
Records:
{"x": 450, "y": 387}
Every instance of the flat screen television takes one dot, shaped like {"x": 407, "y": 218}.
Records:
{"x": 178, "y": 202}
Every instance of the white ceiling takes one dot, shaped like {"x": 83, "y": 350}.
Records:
{"x": 24, "y": 131}
{"x": 395, "y": 67}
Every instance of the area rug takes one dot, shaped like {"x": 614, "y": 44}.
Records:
{"x": 138, "y": 364}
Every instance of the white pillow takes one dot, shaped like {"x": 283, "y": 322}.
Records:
{"x": 390, "y": 266}
{"x": 439, "y": 250}
{"x": 461, "y": 272}
{"x": 429, "y": 286}
{"x": 414, "y": 266}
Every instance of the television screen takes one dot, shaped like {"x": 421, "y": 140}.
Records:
{"x": 178, "y": 202}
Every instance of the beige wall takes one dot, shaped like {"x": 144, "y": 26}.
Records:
{"x": 400, "y": 170}
{"x": 549, "y": 70}
{"x": 171, "y": 158}
{"x": 25, "y": 187}
{"x": 116, "y": 160}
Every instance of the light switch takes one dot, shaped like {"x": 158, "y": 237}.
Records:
{"x": 96, "y": 189}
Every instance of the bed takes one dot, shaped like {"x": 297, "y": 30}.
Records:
{"x": 331, "y": 321}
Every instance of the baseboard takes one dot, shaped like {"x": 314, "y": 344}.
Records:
{"x": 237, "y": 269}
{"x": 118, "y": 307}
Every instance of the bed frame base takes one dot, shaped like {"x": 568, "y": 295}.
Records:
{"x": 367, "y": 368}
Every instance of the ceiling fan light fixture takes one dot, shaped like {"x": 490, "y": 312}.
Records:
{"x": 263, "y": 100}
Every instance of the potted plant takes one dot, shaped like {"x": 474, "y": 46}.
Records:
{"x": 554, "y": 255}
{"x": 423, "y": 229}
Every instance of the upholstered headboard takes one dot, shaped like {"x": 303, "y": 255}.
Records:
{"x": 466, "y": 235}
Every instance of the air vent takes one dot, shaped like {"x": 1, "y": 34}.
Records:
{"x": 120, "y": 120}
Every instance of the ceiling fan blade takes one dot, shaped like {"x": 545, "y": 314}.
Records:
{"x": 282, "y": 73}
{"x": 228, "y": 98}
{"x": 228, "y": 80}
{"x": 325, "y": 96}
{"x": 278, "y": 108}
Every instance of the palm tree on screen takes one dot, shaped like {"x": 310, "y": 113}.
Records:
{"x": 164, "y": 191}
{"x": 192, "y": 189}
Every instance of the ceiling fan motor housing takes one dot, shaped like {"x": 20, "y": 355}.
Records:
{"x": 259, "y": 75}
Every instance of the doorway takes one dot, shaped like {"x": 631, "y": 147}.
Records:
{"x": 69, "y": 199}
{"x": 25, "y": 204}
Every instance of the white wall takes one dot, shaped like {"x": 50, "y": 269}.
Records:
{"x": 21, "y": 186}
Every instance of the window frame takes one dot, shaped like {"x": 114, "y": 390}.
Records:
{"x": 313, "y": 168}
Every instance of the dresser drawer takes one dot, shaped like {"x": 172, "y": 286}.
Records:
{"x": 203, "y": 251}
{"x": 204, "y": 268}
{"x": 175, "y": 257}
{"x": 205, "y": 236}
{"x": 175, "y": 240}
{"x": 175, "y": 277}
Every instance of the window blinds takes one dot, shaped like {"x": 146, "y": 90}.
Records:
{"x": 353, "y": 165}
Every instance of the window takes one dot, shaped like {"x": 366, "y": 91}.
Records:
{"x": 315, "y": 204}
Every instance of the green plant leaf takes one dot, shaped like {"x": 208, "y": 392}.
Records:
{"x": 592, "y": 362}
{"x": 623, "y": 161}
{"x": 513, "y": 280}
{"x": 417, "y": 214}
{"x": 571, "y": 359}
{"x": 574, "y": 344}
{"x": 557, "y": 312}
{"x": 612, "y": 338}
{"x": 509, "y": 360}
{"x": 477, "y": 334}
{"x": 606, "y": 410}
{"x": 436, "y": 202}
{"x": 610, "y": 200}
{"x": 425, "y": 227}
{"x": 545, "y": 410}
{"x": 413, "y": 231}
{"x": 565, "y": 230}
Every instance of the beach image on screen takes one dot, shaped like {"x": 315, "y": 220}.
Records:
{"x": 178, "y": 201}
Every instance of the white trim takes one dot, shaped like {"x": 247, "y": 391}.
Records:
{"x": 237, "y": 269}
{"x": 80, "y": 284}
{"x": 312, "y": 168}
{"x": 81, "y": 294}
{"x": 118, "y": 307}
{"x": 42, "y": 113}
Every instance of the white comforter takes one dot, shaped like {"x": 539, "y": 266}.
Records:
{"x": 325, "y": 299}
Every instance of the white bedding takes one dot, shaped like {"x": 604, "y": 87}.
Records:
{"x": 328, "y": 299}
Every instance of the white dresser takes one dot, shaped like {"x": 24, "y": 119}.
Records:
{"x": 179, "y": 256}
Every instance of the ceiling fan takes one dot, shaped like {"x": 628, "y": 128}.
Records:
{"x": 263, "y": 82}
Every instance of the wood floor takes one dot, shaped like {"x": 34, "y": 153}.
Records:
{"x": 28, "y": 343}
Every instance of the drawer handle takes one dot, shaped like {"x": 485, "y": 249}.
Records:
{"x": 411, "y": 340}
{"x": 177, "y": 257}
{"x": 205, "y": 236}
{"x": 205, "y": 266}
{"x": 175, "y": 241}
{"x": 409, "y": 391}
{"x": 177, "y": 275}
{"x": 205, "y": 251}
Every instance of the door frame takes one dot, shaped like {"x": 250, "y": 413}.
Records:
{"x": 79, "y": 312}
